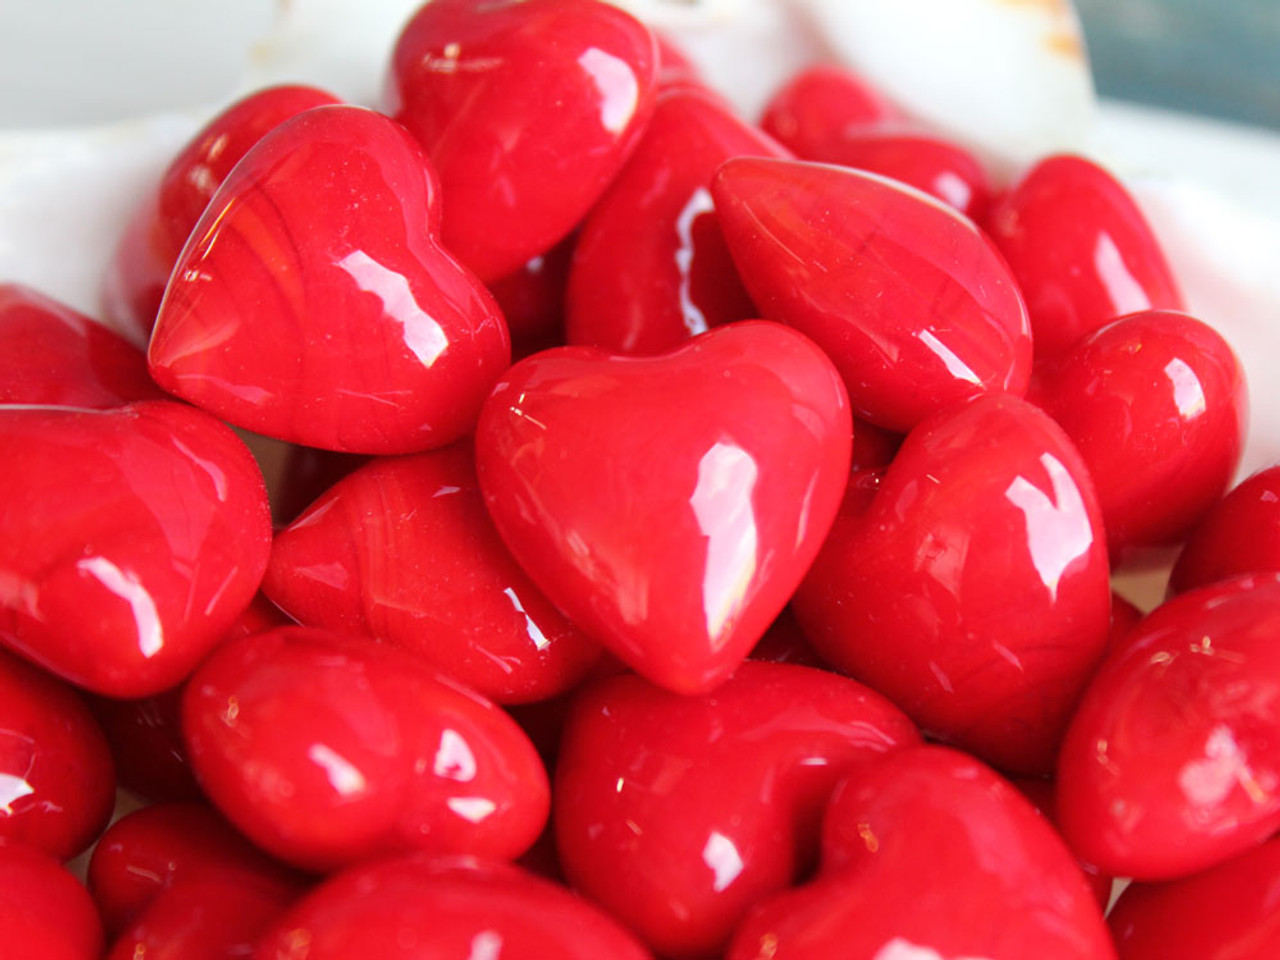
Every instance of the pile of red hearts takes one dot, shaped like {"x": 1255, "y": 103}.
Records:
{"x": 769, "y": 618}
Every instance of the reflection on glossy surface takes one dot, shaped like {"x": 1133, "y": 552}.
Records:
{"x": 1223, "y": 913}
{"x": 651, "y": 268}
{"x": 56, "y": 785}
{"x": 314, "y": 304}
{"x": 527, "y": 109}
{"x": 988, "y": 876}
{"x": 121, "y": 574}
{"x": 1156, "y": 405}
{"x": 913, "y": 304}
{"x": 404, "y": 550}
{"x": 973, "y": 590}
{"x": 1081, "y": 250}
{"x": 149, "y": 246}
{"x": 51, "y": 354}
{"x": 668, "y": 505}
{"x": 326, "y": 750}
{"x": 1239, "y": 534}
{"x": 418, "y": 907}
{"x": 1172, "y": 762}
{"x": 676, "y": 813}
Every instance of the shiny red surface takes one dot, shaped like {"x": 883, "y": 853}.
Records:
{"x": 56, "y": 785}
{"x": 928, "y": 854}
{"x": 132, "y": 539}
{"x": 669, "y": 505}
{"x": 54, "y": 355}
{"x": 1225, "y": 913}
{"x": 1239, "y": 534}
{"x": 145, "y": 735}
{"x": 528, "y": 110}
{"x": 1156, "y": 405}
{"x": 651, "y": 267}
{"x": 913, "y": 304}
{"x": 1044, "y": 797}
{"x": 368, "y": 337}
{"x": 823, "y": 104}
{"x": 420, "y": 908}
{"x": 973, "y": 590}
{"x": 215, "y": 917}
{"x": 327, "y": 750}
{"x": 938, "y": 167}
{"x": 677, "y": 813}
{"x": 404, "y": 550}
{"x": 45, "y": 913}
{"x": 1172, "y": 761}
{"x": 149, "y": 247}
{"x": 1081, "y": 249}
{"x": 156, "y": 847}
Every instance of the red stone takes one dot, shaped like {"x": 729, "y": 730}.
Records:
{"x": 404, "y": 550}
{"x": 314, "y": 303}
{"x": 669, "y": 505}
{"x": 1081, "y": 249}
{"x": 1239, "y": 534}
{"x": 45, "y": 913}
{"x": 973, "y": 590}
{"x": 132, "y": 538}
{"x": 821, "y": 105}
{"x": 651, "y": 268}
{"x": 914, "y": 305}
{"x": 327, "y": 750}
{"x": 1172, "y": 761}
{"x": 528, "y": 110}
{"x": 677, "y": 813}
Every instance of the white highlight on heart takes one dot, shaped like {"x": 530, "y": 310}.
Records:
{"x": 723, "y": 858}
{"x": 129, "y": 588}
{"x": 422, "y": 334}
{"x": 619, "y": 89}
{"x": 721, "y": 502}
{"x": 340, "y": 772}
{"x": 1058, "y": 530}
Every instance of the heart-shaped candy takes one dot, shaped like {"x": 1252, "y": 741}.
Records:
{"x": 669, "y": 505}
{"x": 527, "y": 109}
{"x": 973, "y": 590}
{"x": 313, "y": 303}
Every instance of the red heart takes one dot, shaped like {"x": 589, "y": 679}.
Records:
{"x": 677, "y": 813}
{"x": 927, "y": 854}
{"x": 651, "y": 268}
{"x": 404, "y": 550}
{"x": 527, "y": 109}
{"x": 130, "y": 541}
{"x": 669, "y": 505}
{"x": 910, "y": 299}
{"x": 1240, "y": 534}
{"x": 144, "y": 257}
{"x": 313, "y": 303}
{"x": 973, "y": 591}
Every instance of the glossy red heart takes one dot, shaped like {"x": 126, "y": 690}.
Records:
{"x": 45, "y": 913}
{"x": 131, "y": 540}
{"x": 669, "y": 505}
{"x": 1081, "y": 249}
{"x": 1172, "y": 761}
{"x": 404, "y": 550}
{"x": 1226, "y": 912}
{"x": 56, "y": 787}
{"x": 314, "y": 304}
{"x": 149, "y": 247}
{"x": 821, "y": 105}
{"x": 528, "y": 109}
{"x": 911, "y": 301}
{"x": 651, "y": 268}
{"x": 677, "y": 813}
{"x": 419, "y": 907}
{"x": 927, "y": 854}
{"x": 1156, "y": 405}
{"x": 327, "y": 750}
{"x": 973, "y": 589}
{"x": 1239, "y": 534}
{"x": 54, "y": 355}
{"x": 157, "y": 847}
{"x": 212, "y": 918}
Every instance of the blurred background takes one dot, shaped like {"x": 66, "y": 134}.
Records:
{"x": 1215, "y": 57}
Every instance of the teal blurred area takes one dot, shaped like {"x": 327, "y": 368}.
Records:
{"x": 1220, "y": 58}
